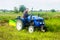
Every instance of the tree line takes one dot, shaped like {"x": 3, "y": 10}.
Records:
{"x": 22, "y": 8}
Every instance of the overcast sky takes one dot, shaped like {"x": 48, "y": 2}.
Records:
{"x": 36, "y": 4}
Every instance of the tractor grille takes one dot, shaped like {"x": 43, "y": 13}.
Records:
{"x": 40, "y": 20}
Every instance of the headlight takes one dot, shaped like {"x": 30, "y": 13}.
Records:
{"x": 43, "y": 22}
{"x": 40, "y": 22}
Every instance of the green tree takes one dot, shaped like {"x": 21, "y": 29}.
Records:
{"x": 4, "y": 10}
{"x": 16, "y": 10}
{"x": 40, "y": 10}
{"x": 53, "y": 10}
{"x": 22, "y": 8}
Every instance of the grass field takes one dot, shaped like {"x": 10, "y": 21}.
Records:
{"x": 52, "y": 21}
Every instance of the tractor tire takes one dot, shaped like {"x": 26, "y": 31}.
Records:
{"x": 19, "y": 25}
{"x": 31, "y": 29}
{"x": 45, "y": 28}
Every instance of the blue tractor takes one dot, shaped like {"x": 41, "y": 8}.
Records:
{"x": 32, "y": 22}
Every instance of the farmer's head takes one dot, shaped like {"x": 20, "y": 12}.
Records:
{"x": 26, "y": 10}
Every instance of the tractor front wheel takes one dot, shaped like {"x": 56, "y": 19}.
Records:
{"x": 31, "y": 29}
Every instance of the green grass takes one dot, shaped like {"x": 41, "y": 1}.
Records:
{"x": 10, "y": 33}
{"x": 8, "y": 16}
{"x": 52, "y": 22}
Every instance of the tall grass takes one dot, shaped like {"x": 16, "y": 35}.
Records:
{"x": 52, "y": 22}
{"x": 51, "y": 18}
{"x": 53, "y": 25}
{"x": 10, "y": 33}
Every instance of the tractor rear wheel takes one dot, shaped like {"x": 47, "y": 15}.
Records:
{"x": 19, "y": 25}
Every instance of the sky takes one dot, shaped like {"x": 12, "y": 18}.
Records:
{"x": 35, "y": 4}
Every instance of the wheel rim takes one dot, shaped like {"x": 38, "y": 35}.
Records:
{"x": 31, "y": 29}
{"x": 19, "y": 25}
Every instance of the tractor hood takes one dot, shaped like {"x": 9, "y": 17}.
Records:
{"x": 35, "y": 18}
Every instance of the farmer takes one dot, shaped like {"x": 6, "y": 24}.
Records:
{"x": 25, "y": 13}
